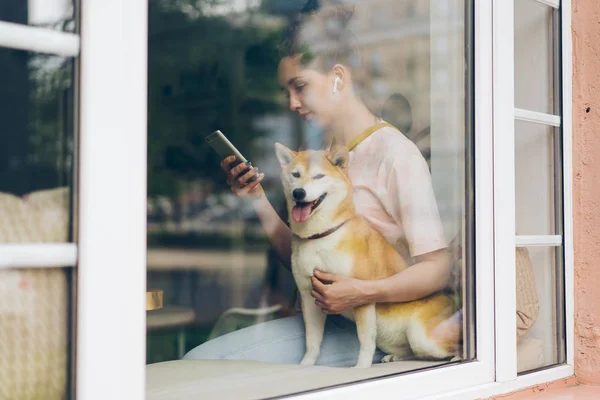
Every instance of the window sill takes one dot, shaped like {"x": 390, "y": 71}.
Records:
{"x": 503, "y": 388}
{"x": 255, "y": 380}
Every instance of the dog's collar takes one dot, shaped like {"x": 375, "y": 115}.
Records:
{"x": 323, "y": 234}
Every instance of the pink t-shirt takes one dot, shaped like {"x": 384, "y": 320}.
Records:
{"x": 393, "y": 191}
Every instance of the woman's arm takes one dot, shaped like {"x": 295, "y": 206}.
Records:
{"x": 410, "y": 200}
{"x": 430, "y": 274}
{"x": 238, "y": 179}
{"x": 336, "y": 293}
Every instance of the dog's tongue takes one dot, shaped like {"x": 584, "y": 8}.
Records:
{"x": 301, "y": 213}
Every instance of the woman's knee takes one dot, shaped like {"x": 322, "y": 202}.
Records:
{"x": 261, "y": 342}
{"x": 283, "y": 341}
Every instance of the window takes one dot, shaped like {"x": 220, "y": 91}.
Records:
{"x": 532, "y": 162}
{"x": 494, "y": 132}
{"x": 538, "y": 182}
{"x": 230, "y": 300}
{"x": 38, "y": 245}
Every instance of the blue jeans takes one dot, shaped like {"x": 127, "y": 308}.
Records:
{"x": 283, "y": 341}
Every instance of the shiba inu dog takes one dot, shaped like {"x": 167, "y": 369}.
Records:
{"x": 330, "y": 236}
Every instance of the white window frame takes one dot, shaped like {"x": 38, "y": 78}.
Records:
{"x": 111, "y": 283}
{"x": 38, "y": 255}
{"x": 567, "y": 128}
{"x": 504, "y": 191}
{"x": 504, "y": 164}
{"x": 32, "y": 38}
{"x": 111, "y": 247}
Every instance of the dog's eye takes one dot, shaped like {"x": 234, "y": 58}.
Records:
{"x": 296, "y": 174}
{"x": 318, "y": 176}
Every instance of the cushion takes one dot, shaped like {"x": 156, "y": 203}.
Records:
{"x": 53, "y": 208}
{"x": 33, "y": 302}
{"x": 527, "y": 298}
{"x": 530, "y": 354}
{"x": 528, "y": 306}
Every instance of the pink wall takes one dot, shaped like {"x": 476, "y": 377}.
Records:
{"x": 586, "y": 187}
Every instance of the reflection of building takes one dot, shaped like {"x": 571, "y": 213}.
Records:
{"x": 391, "y": 41}
{"x": 408, "y": 47}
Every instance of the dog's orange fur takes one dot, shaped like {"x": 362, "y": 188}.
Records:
{"x": 373, "y": 257}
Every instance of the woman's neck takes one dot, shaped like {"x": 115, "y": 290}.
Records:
{"x": 355, "y": 119}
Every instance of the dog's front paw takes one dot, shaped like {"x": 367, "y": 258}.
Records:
{"x": 309, "y": 359}
{"x": 362, "y": 365}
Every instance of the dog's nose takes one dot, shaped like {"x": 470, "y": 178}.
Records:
{"x": 299, "y": 194}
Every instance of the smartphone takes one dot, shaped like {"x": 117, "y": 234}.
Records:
{"x": 225, "y": 148}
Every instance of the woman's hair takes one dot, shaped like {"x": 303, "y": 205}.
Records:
{"x": 340, "y": 48}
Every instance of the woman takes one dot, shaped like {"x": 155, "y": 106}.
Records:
{"x": 392, "y": 190}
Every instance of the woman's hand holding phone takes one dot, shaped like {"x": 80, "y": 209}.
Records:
{"x": 239, "y": 176}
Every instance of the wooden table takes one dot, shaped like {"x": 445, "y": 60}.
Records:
{"x": 154, "y": 299}
{"x": 165, "y": 259}
{"x": 238, "y": 265}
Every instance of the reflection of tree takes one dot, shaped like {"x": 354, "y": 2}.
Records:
{"x": 37, "y": 109}
{"x": 51, "y": 122}
{"x": 37, "y": 117}
{"x": 204, "y": 73}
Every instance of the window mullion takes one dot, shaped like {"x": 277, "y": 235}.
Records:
{"x": 551, "y": 3}
{"x": 567, "y": 176}
{"x": 41, "y": 40}
{"x": 37, "y": 255}
{"x": 537, "y": 117}
{"x": 504, "y": 191}
{"x": 538, "y": 240}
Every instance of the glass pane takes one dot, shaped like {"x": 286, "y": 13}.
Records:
{"x": 36, "y": 175}
{"x": 36, "y": 180}
{"x": 231, "y": 304}
{"x": 540, "y": 307}
{"x": 536, "y": 174}
{"x": 51, "y": 14}
{"x": 535, "y": 82}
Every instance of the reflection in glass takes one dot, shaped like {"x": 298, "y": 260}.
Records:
{"x": 207, "y": 248}
{"x": 540, "y": 270}
{"x": 37, "y": 124}
{"x": 540, "y": 308}
{"x": 536, "y": 179}
{"x": 36, "y": 155}
{"x": 536, "y": 57}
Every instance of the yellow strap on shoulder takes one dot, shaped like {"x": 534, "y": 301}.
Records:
{"x": 366, "y": 133}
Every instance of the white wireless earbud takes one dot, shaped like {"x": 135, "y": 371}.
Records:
{"x": 335, "y": 84}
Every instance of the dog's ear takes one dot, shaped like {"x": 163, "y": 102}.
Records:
{"x": 339, "y": 157}
{"x": 284, "y": 155}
